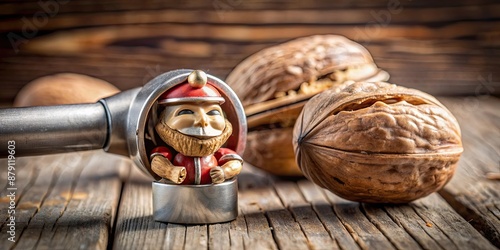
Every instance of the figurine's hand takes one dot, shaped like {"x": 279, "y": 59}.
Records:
{"x": 217, "y": 175}
{"x": 165, "y": 169}
{"x": 232, "y": 168}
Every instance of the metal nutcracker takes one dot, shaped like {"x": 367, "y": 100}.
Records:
{"x": 185, "y": 128}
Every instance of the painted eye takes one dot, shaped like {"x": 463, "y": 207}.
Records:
{"x": 185, "y": 112}
{"x": 213, "y": 112}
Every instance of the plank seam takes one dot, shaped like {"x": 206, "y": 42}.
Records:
{"x": 404, "y": 228}
{"x": 244, "y": 237}
{"x": 74, "y": 183}
{"x": 435, "y": 226}
{"x": 361, "y": 208}
{"x": 273, "y": 232}
{"x": 472, "y": 216}
{"x": 294, "y": 215}
{"x": 111, "y": 238}
{"x": 33, "y": 175}
{"x": 55, "y": 178}
{"x": 314, "y": 208}
{"x": 347, "y": 227}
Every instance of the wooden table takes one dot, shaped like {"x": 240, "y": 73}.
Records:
{"x": 447, "y": 47}
{"x": 94, "y": 200}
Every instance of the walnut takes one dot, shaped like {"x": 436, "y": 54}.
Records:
{"x": 273, "y": 85}
{"x": 64, "y": 88}
{"x": 377, "y": 142}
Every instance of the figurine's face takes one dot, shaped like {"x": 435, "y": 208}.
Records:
{"x": 202, "y": 120}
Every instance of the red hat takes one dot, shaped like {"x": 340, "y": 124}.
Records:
{"x": 196, "y": 89}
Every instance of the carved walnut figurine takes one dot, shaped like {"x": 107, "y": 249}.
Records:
{"x": 193, "y": 128}
{"x": 275, "y": 83}
{"x": 377, "y": 142}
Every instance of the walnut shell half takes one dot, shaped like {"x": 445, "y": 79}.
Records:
{"x": 275, "y": 83}
{"x": 377, "y": 142}
{"x": 273, "y": 72}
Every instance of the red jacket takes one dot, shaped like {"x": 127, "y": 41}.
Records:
{"x": 197, "y": 168}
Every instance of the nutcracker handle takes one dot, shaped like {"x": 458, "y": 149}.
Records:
{"x": 67, "y": 128}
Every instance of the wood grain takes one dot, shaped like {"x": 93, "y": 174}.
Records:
{"x": 196, "y": 237}
{"x": 60, "y": 201}
{"x": 89, "y": 214}
{"x": 439, "y": 47}
{"x": 100, "y": 201}
{"x": 28, "y": 175}
{"x": 258, "y": 200}
{"x": 316, "y": 234}
{"x": 470, "y": 192}
{"x": 135, "y": 227}
{"x": 314, "y": 195}
{"x": 428, "y": 223}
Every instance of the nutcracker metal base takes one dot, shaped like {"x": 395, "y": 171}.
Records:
{"x": 195, "y": 204}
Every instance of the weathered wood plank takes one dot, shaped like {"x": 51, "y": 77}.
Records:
{"x": 366, "y": 234}
{"x": 258, "y": 231}
{"x": 29, "y": 7}
{"x": 254, "y": 17}
{"x": 175, "y": 237}
{"x": 316, "y": 234}
{"x": 395, "y": 232}
{"x": 264, "y": 213}
{"x": 25, "y": 171}
{"x": 218, "y": 236}
{"x": 65, "y": 199}
{"x": 52, "y": 203}
{"x": 406, "y": 68}
{"x": 444, "y": 218}
{"x": 135, "y": 227}
{"x": 251, "y": 182}
{"x": 238, "y": 233}
{"x": 286, "y": 231}
{"x": 470, "y": 193}
{"x": 405, "y": 217}
{"x": 88, "y": 218}
{"x": 420, "y": 38}
{"x": 426, "y": 223}
{"x": 196, "y": 237}
{"x": 314, "y": 195}
{"x": 202, "y": 35}
{"x": 58, "y": 202}
{"x": 28, "y": 176}
{"x": 59, "y": 195}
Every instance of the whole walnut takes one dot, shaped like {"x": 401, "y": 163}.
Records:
{"x": 275, "y": 83}
{"x": 64, "y": 88}
{"x": 377, "y": 142}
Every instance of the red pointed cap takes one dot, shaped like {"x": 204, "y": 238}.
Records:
{"x": 196, "y": 89}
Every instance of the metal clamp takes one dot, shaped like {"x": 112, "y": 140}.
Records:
{"x": 117, "y": 124}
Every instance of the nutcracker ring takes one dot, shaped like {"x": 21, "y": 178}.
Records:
{"x": 118, "y": 124}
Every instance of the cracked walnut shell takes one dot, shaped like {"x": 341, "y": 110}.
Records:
{"x": 377, "y": 142}
{"x": 275, "y": 83}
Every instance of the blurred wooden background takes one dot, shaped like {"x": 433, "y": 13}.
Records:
{"x": 442, "y": 47}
